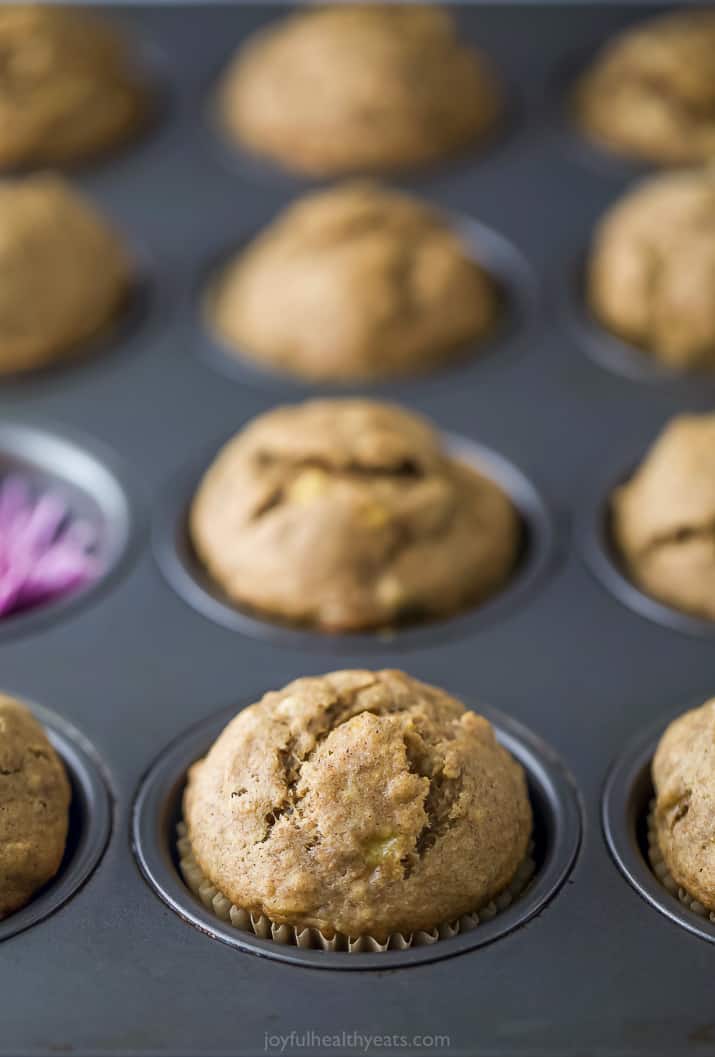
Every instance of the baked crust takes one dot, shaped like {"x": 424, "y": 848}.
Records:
{"x": 359, "y": 802}
{"x": 358, "y": 88}
{"x": 664, "y": 517}
{"x": 348, "y": 514}
{"x": 64, "y": 273}
{"x": 34, "y": 807}
{"x": 684, "y": 779}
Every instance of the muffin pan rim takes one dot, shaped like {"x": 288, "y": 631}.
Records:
{"x": 162, "y": 783}
{"x": 519, "y": 292}
{"x": 545, "y": 529}
{"x": 126, "y": 500}
{"x": 600, "y": 554}
{"x": 87, "y": 774}
{"x": 620, "y": 817}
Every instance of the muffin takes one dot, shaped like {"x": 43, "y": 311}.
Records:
{"x": 34, "y": 807}
{"x": 348, "y": 515}
{"x": 650, "y": 93}
{"x": 664, "y": 517}
{"x": 358, "y": 803}
{"x": 358, "y": 88}
{"x": 651, "y": 274}
{"x": 67, "y": 91}
{"x": 64, "y": 273}
{"x": 683, "y": 820}
{"x": 354, "y": 283}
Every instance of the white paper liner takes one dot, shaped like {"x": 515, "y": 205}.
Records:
{"x": 664, "y": 875}
{"x": 312, "y": 938}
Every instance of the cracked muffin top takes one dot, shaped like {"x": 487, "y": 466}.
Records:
{"x": 651, "y": 276}
{"x": 358, "y": 88}
{"x": 651, "y": 91}
{"x": 359, "y": 802}
{"x": 34, "y": 807}
{"x": 664, "y": 517}
{"x": 67, "y": 89}
{"x": 349, "y": 514}
{"x": 64, "y": 273}
{"x": 353, "y": 283}
{"x": 684, "y": 780}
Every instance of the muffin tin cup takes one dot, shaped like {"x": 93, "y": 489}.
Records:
{"x": 612, "y": 352}
{"x": 95, "y": 487}
{"x": 518, "y": 297}
{"x": 541, "y": 545}
{"x": 625, "y": 807}
{"x": 602, "y": 557}
{"x": 557, "y": 833}
{"x": 89, "y": 826}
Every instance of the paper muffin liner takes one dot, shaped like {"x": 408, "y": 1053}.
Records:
{"x": 661, "y": 871}
{"x": 312, "y": 938}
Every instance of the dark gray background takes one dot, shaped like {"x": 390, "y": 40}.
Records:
{"x": 599, "y": 971}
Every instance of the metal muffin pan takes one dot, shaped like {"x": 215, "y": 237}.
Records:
{"x": 557, "y": 829}
{"x": 596, "y": 968}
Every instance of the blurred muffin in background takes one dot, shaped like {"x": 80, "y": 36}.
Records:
{"x": 353, "y": 283}
{"x": 664, "y": 517}
{"x": 358, "y": 88}
{"x": 34, "y": 807}
{"x": 650, "y": 93}
{"x": 651, "y": 274}
{"x": 68, "y": 90}
{"x": 64, "y": 273}
{"x": 682, "y": 826}
{"x": 350, "y": 514}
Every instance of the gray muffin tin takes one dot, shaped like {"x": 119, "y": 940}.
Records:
{"x": 116, "y": 957}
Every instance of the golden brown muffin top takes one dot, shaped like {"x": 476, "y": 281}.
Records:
{"x": 672, "y": 493}
{"x": 67, "y": 88}
{"x": 652, "y": 268}
{"x": 354, "y": 282}
{"x": 684, "y": 779}
{"x": 359, "y": 802}
{"x": 34, "y": 806}
{"x": 349, "y": 514}
{"x": 664, "y": 517}
{"x": 651, "y": 91}
{"x": 361, "y": 87}
{"x": 64, "y": 272}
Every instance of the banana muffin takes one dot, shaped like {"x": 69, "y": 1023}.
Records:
{"x": 67, "y": 87}
{"x": 651, "y": 274}
{"x": 356, "y": 282}
{"x": 664, "y": 517}
{"x": 358, "y": 88}
{"x": 650, "y": 93}
{"x": 350, "y": 514}
{"x": 683, "y": 820}
{"x": 64, "y": 273}
{"x": 359, "y": 803}
{"x": 34, "y": 807}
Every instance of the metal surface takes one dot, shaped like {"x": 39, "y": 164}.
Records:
{"x": 115, "y": 971}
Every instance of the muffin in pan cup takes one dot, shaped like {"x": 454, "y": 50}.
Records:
{"x": 357, "y": 810}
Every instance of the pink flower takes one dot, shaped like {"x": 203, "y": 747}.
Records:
{"x": 44, "y": 552}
